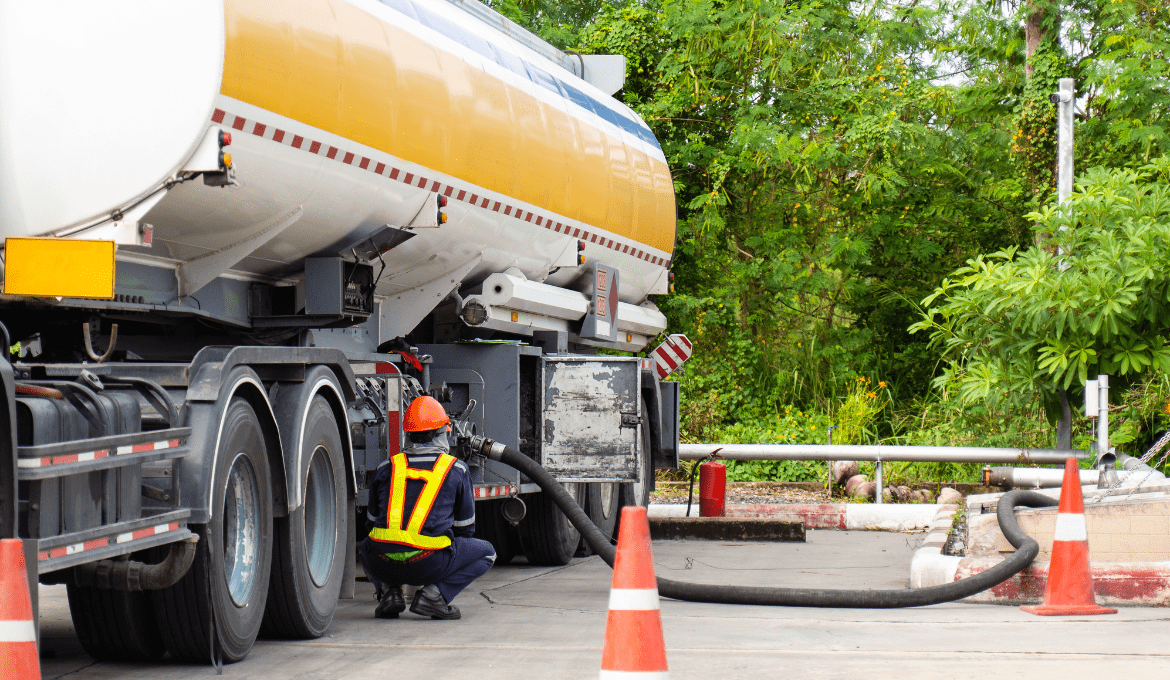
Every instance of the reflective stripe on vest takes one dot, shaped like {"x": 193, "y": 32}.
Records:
{"x": 412, "y": 535}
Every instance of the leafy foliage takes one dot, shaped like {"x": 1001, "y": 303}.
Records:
{"x": 1016, "y": 324}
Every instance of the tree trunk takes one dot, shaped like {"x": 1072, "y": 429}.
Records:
{"x": 1034, "y": 32}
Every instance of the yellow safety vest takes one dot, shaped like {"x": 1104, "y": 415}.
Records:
{"x": 412, "y": 535}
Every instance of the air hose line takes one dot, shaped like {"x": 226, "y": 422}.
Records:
{"x": 1026, "y": 551}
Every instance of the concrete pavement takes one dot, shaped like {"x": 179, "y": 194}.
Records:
{"x": 536, "y": 622}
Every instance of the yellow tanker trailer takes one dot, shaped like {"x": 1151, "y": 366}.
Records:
{"x": 239, "y": 237}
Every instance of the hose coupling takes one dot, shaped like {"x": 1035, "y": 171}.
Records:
{"x": 487, "y": 448}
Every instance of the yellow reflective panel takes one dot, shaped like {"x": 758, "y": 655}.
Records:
{"x": 47, "y": 267}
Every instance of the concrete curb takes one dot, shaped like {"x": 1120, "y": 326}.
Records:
{"x": 849, "y": 516}
{"x": 724, "y": 529}
{"x": 1114, "y": 583}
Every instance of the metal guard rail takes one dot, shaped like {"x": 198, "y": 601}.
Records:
{"x": 934, "y": 454}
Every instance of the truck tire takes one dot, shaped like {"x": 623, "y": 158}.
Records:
{"x": 493, "y": 528}
{"x": 603, "y": 503}
{"x": 115, "y": 625}
{"x": 233, "y": 561}
{"x": 638, "y": 492}
{"x": 546, "y": 534}
{"x": 308, "y": 558}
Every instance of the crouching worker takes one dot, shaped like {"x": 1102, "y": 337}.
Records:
{"x": 425, "y": 519}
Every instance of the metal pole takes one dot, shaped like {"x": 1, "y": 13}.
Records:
{"x": 1066, "y": 107}
{"x": 943, "y": 454}
{"x": 829, "y": 465}
{"x": 1102, "y": 416}
{"x": 1065, "y": 99}
{"x": 877, "y": 474}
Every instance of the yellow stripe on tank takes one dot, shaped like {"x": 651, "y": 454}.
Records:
{"x": 335, "y": 67}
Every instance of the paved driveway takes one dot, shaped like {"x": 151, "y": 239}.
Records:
{"x": 536, "y": 622}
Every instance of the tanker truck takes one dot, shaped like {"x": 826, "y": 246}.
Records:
{"x": 240, "y": 236}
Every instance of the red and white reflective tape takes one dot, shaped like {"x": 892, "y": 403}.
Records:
{"x": 1070, "y": 527}
{"x": 495, "y": 491}
{"x": 47, "y": 461}
{"x": 221, "y": 117}
{"x": 147, "y": 532}
{"x": 104, "y": 542}
{"x": 671, "y": 354}
{"x": 73, "y": 549}
{"x": 149, "y": 446}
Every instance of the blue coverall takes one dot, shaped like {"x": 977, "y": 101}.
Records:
{"x": 452, "y": 514}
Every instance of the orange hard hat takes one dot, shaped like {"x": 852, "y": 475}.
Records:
{"x": 424, "y": 414}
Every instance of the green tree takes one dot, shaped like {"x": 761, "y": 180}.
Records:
{"x": 1020, "y": 324}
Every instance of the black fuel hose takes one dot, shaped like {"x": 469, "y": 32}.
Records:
{"x": 1026, "y": 551}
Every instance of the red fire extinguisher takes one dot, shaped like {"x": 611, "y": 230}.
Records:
{"x": 712, "y": 489}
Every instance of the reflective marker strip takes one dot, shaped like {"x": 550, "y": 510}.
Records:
{"x": 630, "y": 599}
{"x": 17, "y": 631}
{"x": 61, "y": 460}
{"x": 1070, "y": 527}
{"x": 103, "y": 542}
{"x": 48, "y": 461}
{"x": 648, "y": 675}
{"x": 144, "y": 533}
{"x": 494, "y": 491}
{"x": 149, "y": 446}
{"x": 73, "y": 549}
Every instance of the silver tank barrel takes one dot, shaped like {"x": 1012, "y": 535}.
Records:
{"x": 938, "y": 454}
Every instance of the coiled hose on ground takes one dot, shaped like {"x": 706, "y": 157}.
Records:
{"x": 1026, "y": 550}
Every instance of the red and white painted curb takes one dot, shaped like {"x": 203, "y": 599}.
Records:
{"x": 1114, "y": 583}
{"x": 842, "y": 516}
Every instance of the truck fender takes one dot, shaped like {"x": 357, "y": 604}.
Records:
{"x": 8, "y": 495}
{"x": 290, "y": 401}
{"x": 653, "y": 401}
{"x": 195, "y": 472}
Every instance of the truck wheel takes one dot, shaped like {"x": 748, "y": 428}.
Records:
{"x": 115, "y": 625}
{"x": 493, "y": 528}
{"x": 308, "y": 560}
{"x": 638, "y": 492}
{"x": 546, "y": 534}
{"x": 234, "y": 559}
{"x": 603, "y": 501}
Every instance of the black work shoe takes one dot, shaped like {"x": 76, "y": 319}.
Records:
{"x": 428, "y": 602}
{"x": 391, "y": 605}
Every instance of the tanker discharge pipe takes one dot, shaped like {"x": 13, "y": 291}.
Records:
{"x": 1026, "y": 551}
{"x": 1035, "y": 478}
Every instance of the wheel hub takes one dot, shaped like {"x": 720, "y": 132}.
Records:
{"x": 241, "y": 541}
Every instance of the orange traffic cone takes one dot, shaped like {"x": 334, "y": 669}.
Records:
{"x": 633, "y": 629}
{"x": 18, "y": 638}
{"x": 1069, "y": 591}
